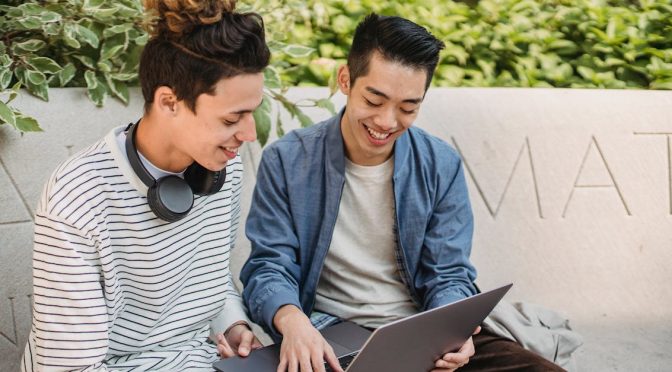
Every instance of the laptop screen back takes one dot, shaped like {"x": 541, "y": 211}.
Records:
{"x": 416, "y": 342}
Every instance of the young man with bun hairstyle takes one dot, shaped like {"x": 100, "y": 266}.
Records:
{"x": 365, "y": 218}
{"x": 132, "y": 234}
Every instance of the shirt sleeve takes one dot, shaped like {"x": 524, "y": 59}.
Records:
{"x": 70, "y": 319}
{"x": 272, "y": 273}
{"x": 232, "y": 312}
{"x": 445, "y": 272}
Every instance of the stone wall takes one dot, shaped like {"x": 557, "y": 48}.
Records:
{"x": 571, "y": 191}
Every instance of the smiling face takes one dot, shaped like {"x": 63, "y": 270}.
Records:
{"x": 222, "y": 122}
{"x": 381, "y": 106}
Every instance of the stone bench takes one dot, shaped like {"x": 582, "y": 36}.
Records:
{"x": 571, "y": 191}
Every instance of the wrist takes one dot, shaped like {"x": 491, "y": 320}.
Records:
{"x": 234, "y": 325}
{"x": 286, "y": 315}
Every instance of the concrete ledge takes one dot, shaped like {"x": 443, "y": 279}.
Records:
{"x": 571, "y": 190}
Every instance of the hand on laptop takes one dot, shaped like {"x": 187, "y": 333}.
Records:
{"x": 453, "y": 361}
{"x": 303, "y": 348}
{"x": 237, "y": 340}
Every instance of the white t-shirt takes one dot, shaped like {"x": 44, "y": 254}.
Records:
{"x": 360, "y": 279}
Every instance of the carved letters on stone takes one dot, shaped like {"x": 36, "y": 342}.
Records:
{"x": 668, "y": 137}
{"x": 524, "y": 150}
{"x": 13, "y": 335}
{"x": 594, "y": 151}
{"x": 612, "y": 183}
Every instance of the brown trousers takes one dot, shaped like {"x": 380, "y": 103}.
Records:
{"x": 495, "y": 354}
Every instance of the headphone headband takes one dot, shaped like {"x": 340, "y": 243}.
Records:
{"x": 133, "y": 157}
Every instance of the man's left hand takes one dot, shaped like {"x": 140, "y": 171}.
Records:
{"x": 452, "y": 361}
{"x": 237, "y": 340}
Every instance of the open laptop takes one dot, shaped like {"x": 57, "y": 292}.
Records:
{"x": 410, "y": 344}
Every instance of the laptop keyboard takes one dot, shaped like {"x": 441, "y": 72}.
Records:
{"x": 344, "y": 361}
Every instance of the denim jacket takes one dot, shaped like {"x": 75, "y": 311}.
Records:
{"x": 295, "y": 205}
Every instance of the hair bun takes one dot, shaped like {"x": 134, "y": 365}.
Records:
{"x": 175, "y": 18}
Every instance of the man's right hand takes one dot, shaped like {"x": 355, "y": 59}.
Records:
{"x": 303, "y": 348}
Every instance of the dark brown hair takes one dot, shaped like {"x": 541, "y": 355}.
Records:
{"x": 196, "y": 43}
{"x": 397, "y": 40}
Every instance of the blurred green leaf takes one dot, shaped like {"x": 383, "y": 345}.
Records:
{"x": 86, "y": 35}
{"x": 118, "y": 88}
{"x": 298, "y": 51}
{"x": 6, "y": 114}
{"x": 279, "y": 130}
{"x": 262, "y": 119}
{"x": 118, "y": 29}
{"x": 30, "y": 22}
{"x": 333, "y": 81}
{"x": 69, "y": 33}
{"x": 31, "y": 45}
{"x": 123, "y": 77}
{"x": 49, "y": 16}
{"x": 66, "y": 74}
{"x": 96, "y": 89}
{"x": 27, "y": 124}
{"x": 110, "y": 49}
{"x": 86, "y": 61}
{"x": 326, "y": 103}
{"x": 36, "y": 84}
{"x": 43, "y": 64}
{"x": 303, "y": 118}
{"x": 272, "y": 78}
{"x": 662, "y": 84}
{"x": 91, "y": 80}
{"x": 35, "y": 77}
{"x": 104, "y": 66}
{"x": 5, "y": 78}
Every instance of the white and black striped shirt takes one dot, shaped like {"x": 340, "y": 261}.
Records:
{"x": 114, "y": 286}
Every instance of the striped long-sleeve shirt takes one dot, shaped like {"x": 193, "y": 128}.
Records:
{"x": 117, "y": 288}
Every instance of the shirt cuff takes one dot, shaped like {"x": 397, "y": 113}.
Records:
{"x": 227, "y": 318}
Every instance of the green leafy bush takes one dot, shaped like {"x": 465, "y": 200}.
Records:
{"x": 511, "y": 43}
{"x": 81, "y": 43}
{"x": 97, "y": 44}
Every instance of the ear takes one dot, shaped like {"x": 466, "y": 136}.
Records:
{"x": 165, "y": 101}
{"x": 343, "y": 79}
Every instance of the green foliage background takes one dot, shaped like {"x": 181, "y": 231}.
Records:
{"x": 507, "y": 43}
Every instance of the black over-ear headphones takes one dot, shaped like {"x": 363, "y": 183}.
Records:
{"x": 172, "y": 197}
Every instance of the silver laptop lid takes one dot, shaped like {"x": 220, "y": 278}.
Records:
{"x": 416, "y": 342}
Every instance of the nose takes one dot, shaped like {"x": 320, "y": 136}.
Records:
{"x": 386, "y": 120}
{"x": 248, "y": 129}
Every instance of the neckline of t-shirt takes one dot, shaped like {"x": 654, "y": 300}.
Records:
{"x": 382, "y": 170}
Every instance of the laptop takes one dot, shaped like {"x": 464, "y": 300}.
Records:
{"x": 413, "y": 343}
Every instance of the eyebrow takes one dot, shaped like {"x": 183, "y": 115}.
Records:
{"x": 246, "y": 111}
{"x": 381, "y": 94}
{"x": 240, "y": 112}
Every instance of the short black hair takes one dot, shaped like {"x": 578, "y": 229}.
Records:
{"x": 397, "y": 40}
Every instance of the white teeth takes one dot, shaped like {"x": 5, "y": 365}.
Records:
{"x": 231, "y": 149}
{"x": 377, "y": 135}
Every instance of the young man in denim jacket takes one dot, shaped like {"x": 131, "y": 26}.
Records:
{"x": 363, "y": 217}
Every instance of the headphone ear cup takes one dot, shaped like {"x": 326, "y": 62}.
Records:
{"x": 219, "y": 178}
{"x": 203, "y": 181}
{"x": 170, "y": 198}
